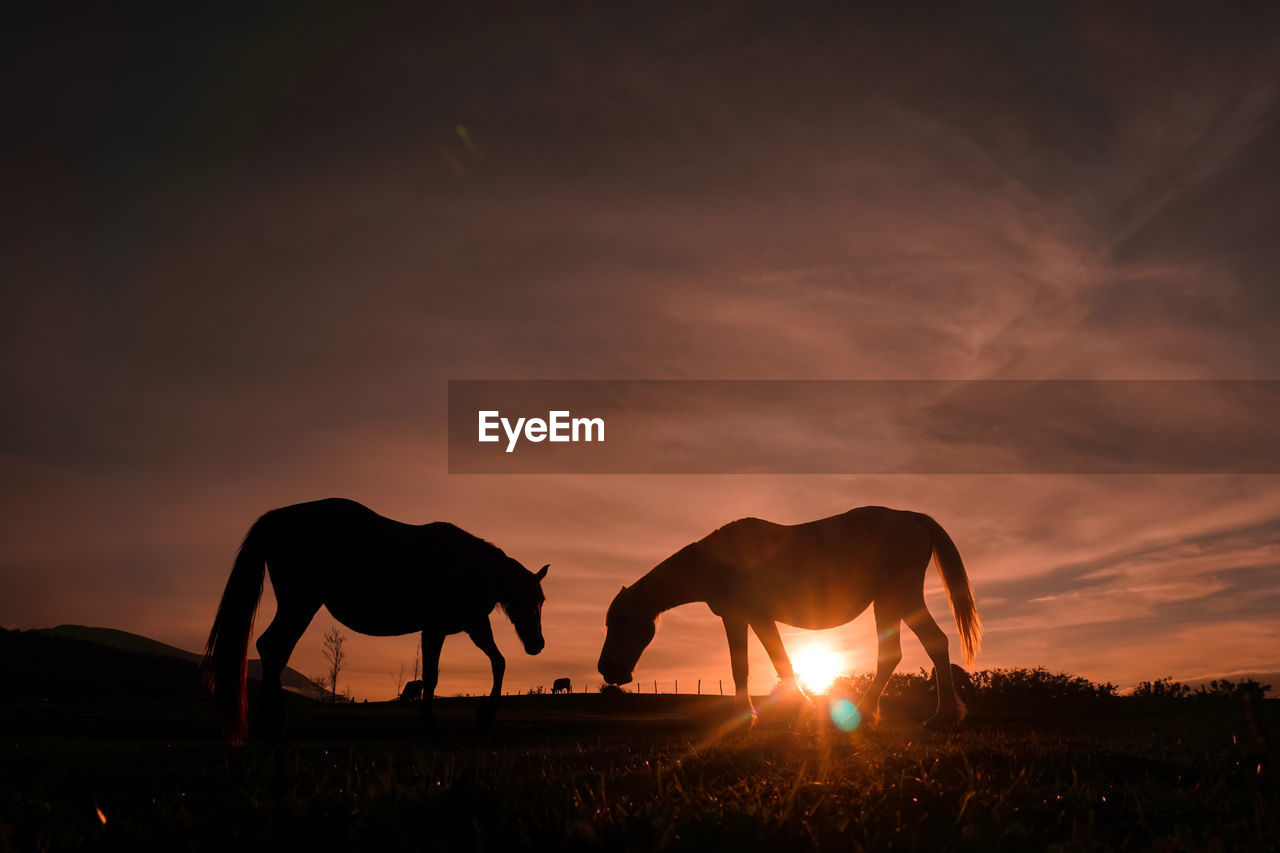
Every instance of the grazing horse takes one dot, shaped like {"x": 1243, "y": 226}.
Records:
{"x": 561, "y": 685}
{"x": 820, "y": 574}
{"x": 376, "y": 576}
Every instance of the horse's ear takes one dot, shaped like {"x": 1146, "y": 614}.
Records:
{"x": 542, "y": 572}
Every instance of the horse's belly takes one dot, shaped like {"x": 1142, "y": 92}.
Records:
{"x": 393, "y": 604}
{"x": 810, "y": 597}
{"x": 377, "y": 623}
{"x": 817, "y": 616}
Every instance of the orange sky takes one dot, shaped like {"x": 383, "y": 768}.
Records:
{"x": 244, "y": 259}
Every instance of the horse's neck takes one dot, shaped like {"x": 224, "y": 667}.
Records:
{"x": 682, "y": 578}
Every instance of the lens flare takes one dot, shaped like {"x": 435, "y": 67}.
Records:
{"x": 845, "y": 715}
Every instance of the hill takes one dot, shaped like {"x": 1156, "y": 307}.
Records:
{"x": 78, "y": 663}
{"x": 125, "y": 641}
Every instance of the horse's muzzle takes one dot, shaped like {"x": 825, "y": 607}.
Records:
{"x": 614, "y": 676}
{"x": 534, "y": 648}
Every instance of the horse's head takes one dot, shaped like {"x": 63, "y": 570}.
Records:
{"x": 629, "y": 628}
{"x": 523, "y": 606}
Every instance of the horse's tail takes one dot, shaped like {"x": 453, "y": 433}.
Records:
{"x": 226, "y": 656}
{"x": 956, "y": 581}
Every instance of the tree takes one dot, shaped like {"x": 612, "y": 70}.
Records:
{"x": 398, "y": 679}
{"x": 337, "y": 658}
{"x": 320, "y": 683}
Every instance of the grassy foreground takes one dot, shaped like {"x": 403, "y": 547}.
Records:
{"x": 589, "y": 772}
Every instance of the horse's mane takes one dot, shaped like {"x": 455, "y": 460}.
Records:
{"x": 489, "y": 554}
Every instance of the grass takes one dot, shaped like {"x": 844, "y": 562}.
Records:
{"x": 590, "y": 772}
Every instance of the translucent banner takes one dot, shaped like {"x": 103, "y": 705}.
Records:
{"x": 864, "y": 427}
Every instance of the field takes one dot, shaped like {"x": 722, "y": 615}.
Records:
{"x": 634, "y": 773}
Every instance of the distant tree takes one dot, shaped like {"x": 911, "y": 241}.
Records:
{"x": 320, "y": 683}
{"x": 397, "y": 678}
{"x": 610, "y": 689}
{"x": 336, "y": 656}
{"x": 537, "y": 691}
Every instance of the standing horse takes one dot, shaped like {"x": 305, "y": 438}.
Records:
{"x": 820, "y": 574}
{"x": 376, "y": 576}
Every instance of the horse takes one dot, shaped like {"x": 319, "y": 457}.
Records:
{"x": 376, "y": 576}
{"x": 819, "y": 574}
{"x": 561, "y": 685}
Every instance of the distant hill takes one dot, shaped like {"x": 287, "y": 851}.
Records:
{"x": 125, "y": 641}
{"x": 73, "y": 662}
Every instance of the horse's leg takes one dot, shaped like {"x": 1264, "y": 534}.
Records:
{"x": 888, "y": 656}
{"x": 274, "y": 648}
{"x": 482, "y": 635}
{"x": 934, "y": 640}
{"x": 767, "y": 631}
{"x": 735, "y": 629}
{"x": 432, "y": 642}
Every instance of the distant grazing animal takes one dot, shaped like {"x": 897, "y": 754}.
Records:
{"x": 376, "y": 576}
{"x": 561, "y": 685}
{"x": 412, "y": 692}
{"x": 820, "y": 574}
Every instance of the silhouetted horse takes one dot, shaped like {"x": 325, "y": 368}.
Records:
{"x": 815, "y": 575}
{"x": 376, "y": 576}
{"x": 561, "y": 685}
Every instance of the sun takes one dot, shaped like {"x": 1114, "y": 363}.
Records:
{"x": 816, "y": 666}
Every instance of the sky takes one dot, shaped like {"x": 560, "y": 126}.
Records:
{"x": 245, "y": 251}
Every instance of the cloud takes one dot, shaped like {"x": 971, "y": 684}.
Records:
{"x": 242, "y": 268}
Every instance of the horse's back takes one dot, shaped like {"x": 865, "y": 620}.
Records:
{"x": 823, "y": 573}
{"x": 865, "y": 525}
{"x": 744, "y": 541}
{"x": 870, "y": 534}
{"x": 330, "y": 514}
{"x": 376, "y": 575}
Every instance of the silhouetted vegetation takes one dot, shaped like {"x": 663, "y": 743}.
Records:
{"x": 360, "y": 777}
{"x": 336, "y": 655}
{"x": 1188, "y": 768}
{"x": 990, "y": 689}
{"x": 1222, "y": 688}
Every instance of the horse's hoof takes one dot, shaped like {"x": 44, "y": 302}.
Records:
{"x": 867, "y": 720}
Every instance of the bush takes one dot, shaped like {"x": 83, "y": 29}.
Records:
{"x": 1017, "y": 684}
{"x": 1163, "y": 688}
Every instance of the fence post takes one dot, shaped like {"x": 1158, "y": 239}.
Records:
{"x": 677, "y": 687}
{"x": 655, "y": 687}
{"x": 722, "y": 687}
